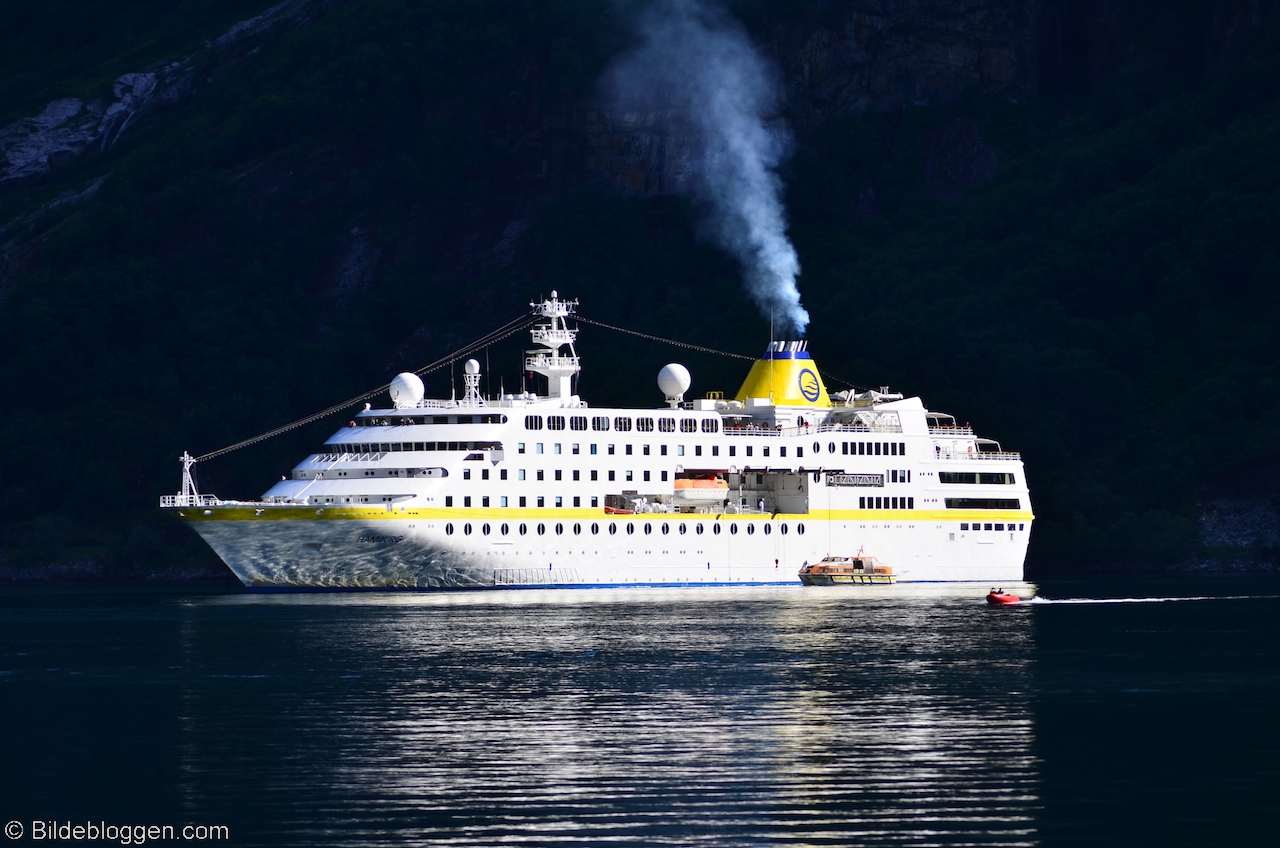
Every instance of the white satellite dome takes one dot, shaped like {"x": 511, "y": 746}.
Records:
{"x": 471, "y": 367}
{"x": 407, "y": 390}
{"x": 674, "y": 381}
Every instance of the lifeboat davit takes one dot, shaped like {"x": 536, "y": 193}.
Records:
{"x": 1002, "y": 598}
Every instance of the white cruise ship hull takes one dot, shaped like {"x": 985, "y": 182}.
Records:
{"x": 293, "y": 548}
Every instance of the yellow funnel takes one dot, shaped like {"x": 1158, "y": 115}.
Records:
{"x": 786, "y": 376}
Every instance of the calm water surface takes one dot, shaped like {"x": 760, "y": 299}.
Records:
{"x": 1113, "y": 714}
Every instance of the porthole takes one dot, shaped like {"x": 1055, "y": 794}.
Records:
{"x": 577, "y": 529}
{"x": 559, "y": 529}
{"x": 466, "y": 529}
{"x": 448, "y": 529}
{"x": 484, "y": 528}
{"x": 613, "y": 529}
{"x": 767, "y": 529}
{"x": 799, "y": 529}
{"x": 697, "y": 528}
{"x": 715, "y": 528}
{"x": 817, "y": 476}
{"x": 506, "y": 528}
{"x": 831, "y": 447}
{"x": 631, "y": 529}
{"x": 524, "y": 528}
{"x": 782, "y": 528}
{"x": 683, "y": 529}
{"x": 817, "y": 448}
{"x": 733, "y": 529}
{"x": 542, "y": 529}
{"x": 648, "y": 528}
{"x": 595, "y": 529}
{"x": 751, "y": 529}
{"x": 666, "y": 528}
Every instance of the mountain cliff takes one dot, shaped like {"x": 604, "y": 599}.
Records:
{"x": 1052, "y": 218}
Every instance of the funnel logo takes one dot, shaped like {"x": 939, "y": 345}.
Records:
{"x": 809, "y": 385}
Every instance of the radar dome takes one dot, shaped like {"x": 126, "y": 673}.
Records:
{"x": 471, "y": 367}
{"x": 407, "y": 390}
{"x": 674, "y": 380}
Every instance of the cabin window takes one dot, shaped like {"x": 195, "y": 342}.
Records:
{"x": 688, "y": 425}
{"x": 622, "y": 424}
{"x": 559, "y": 475}
{"x": 600, "y": 423}
{"x": 533, "y": 422}
{"x": 644, "y": 425}
{"x": 710, "y": 425}
{"x": 578, "y": 422}
{"x": 667, "y": 425}
{"x": 555, "y": 422}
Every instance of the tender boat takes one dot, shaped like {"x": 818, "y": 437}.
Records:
{"x": 834, "y": 570}
{"x": 1002, "y": 598}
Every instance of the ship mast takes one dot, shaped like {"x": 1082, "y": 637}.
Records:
{"x": 553, "y": 334}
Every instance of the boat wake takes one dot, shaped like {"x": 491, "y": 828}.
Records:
{"x": 1039, "y": 600}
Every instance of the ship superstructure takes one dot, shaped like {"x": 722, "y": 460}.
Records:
{"x": 541, "y": 490}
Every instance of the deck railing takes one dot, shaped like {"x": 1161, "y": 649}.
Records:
{"x": 189, "y": 500}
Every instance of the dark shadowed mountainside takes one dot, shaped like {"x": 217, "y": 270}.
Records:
{"x": 1056, "y": 220}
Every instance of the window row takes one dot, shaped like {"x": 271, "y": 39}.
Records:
{"x": 575, "y": 448}
{"x": 621, "y": 423}
{"x": 406, "y": 420}
{"x": 982, "y": 503}
{"x": 871, "y": 448}
{"x": 988, "y": 526}
{"x": 886, "y": 503}
{"x": 386, "y": 447}
{"x": 1000, "y": 478}
{"x": 647, "y": 529}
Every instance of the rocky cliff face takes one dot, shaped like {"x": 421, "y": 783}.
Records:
{"x": 31, "y": 147}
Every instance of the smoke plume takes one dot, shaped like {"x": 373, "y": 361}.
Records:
{"x": 696, "y": 66}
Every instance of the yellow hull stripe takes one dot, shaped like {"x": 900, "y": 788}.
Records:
{"x": 332, "y": 513}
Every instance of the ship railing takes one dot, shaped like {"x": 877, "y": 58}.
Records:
{"x": 190, "y": 500}
{"x": 533, "y": 363}
{"x": 982, "y": 455}
{"x": 951, "y": 431}
{"x": 767, "y": 430}
{"x": 429, "y": 403}
{"x": 858, "y": 428}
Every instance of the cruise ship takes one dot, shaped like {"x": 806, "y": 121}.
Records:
{"x": 536, "y": 490}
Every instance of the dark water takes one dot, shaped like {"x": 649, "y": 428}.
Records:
{"x": 776, "y": 716}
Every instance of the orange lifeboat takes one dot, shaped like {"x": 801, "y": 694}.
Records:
{"x": 700, "y": 490}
